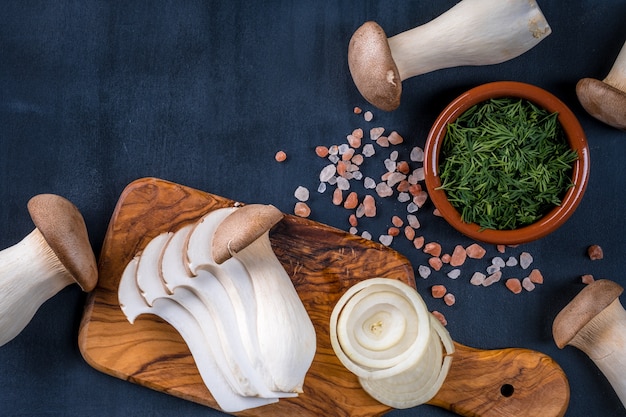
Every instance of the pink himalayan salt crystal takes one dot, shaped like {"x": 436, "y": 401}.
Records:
{"x": 383, "y": 190}
{"x": 369, "y": 150}
{"x": 439, "y": 316}
{"x": 514, "y": 285}
{"x": 525, "y": 259}
{"x": 368, "y": 116}
{"x": 436, "y": 212}
{"x": 357, "y": 159}
{"x": 370, "y": 206}
{"x": 357, "y": 110}
{"x": 527, "y": 284}
{"x": 328, "y": 172}
{"x": 358, "y": 133}
{"x": 413, "y": 221}
{"x": 424, "y": 271}
{"x": 536, "y": 277}
{"x": 587, "y": 279}
{"x": 301, "y": 193}
{"x": 432, "y": 248}
{"x": 478, "y": 278}
{"x": 449, "y": 299}
{"x": 347, "y": 155}
{"x": 445, "y": 258}
{"x": 595, "y": 252}
{"x": 403, "y": 167}
{"x": 438, "y": 291}
{"x": 397, "y": 221}
{"x": 501, "y": 248}
{"x": 409, "y": 232}
{"x": 354, "y": 222}
{"x": 385, "y": 239}
{"x": 337, "y": 196}
{"x": 321, "y": 151}
{"x": 395, "y": 138}
{"x": 458, "y": 256}
{"x": 420, "y": 198}
{"x": 435, "y": 263}
{"x": 492, "y": 279}
{"x": 302, "y": 209}
{"x": 352, "y": 200}
{"x": 376, "y": 132}
{"x": 418, "y": 242}
{"x": 417, "y": 154}
{"x": 383, "y": 142}
{"x": 475, "y": 251}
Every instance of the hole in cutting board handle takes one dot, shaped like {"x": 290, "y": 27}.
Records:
{"x": 507, "y": 390}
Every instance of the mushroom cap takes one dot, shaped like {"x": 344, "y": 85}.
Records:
{"x": 242, "y": 227}
{"x": 64, "y": 229}
{"x": 603, "y": 101}
{"x": 594, "y": 298}
{"x": 372, "y": 67}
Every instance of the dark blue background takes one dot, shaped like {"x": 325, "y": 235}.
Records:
{"x": 95, "y": 94}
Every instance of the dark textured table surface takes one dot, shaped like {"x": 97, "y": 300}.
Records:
{"x": 95, "y": 94}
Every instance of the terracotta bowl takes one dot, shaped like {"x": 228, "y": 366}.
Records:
{"x": 573, "y": 132}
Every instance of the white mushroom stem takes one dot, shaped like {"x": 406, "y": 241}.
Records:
{"x": 617, "y": 75}
{"x": 473, "y": 32}
{"x": 603, "y": 339}
{"x": 30, "y": 274}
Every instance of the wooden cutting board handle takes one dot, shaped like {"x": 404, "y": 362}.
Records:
{"x": 503, "y": 382}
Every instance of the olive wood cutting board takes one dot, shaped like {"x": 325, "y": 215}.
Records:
{"x": 323, "y": 263}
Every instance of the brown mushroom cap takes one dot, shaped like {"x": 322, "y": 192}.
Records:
{"x": 594, "y": 298}
{"x": 603, "y": 101}
{"x": 372, "y": 67}
{"x": 242, "y": 227}
{"x": 64, "y": 229}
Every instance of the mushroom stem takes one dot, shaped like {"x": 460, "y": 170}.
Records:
{"x": 617, "y": 75}
{"x": 57, "y": 253}
{"x": 30, "y": 274}
{"x": 595, "y": 322}
{"x": 473, "y": 32}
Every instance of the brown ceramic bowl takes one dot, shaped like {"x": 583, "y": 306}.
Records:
{"x": 573, "y": 132}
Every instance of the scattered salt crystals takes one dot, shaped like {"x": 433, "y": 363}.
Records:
{"x": 404, "y": 197}
{"x": 587, "y": 279}
{"x": 360, "y": 211}
{"x": 418, "y": 242}
{"x": 511, "y": 261}
{"x": 385, "y": 239}
{"x": 376, "y": 132}
{"x": 343, "y": 148}
{"x": 383, "y": 142}
{"x": 492, "y": 268}
{"x": 501, "y": 248}
{"x": 514, "y": 285}
{"x": 368, "y": 150}
{"x": 357, "y": 159}
{"x": 370, "y": 206}
{"x": 395, "y": 178}
{"x": 327, "y": 173}
{"x": 449, "y": 299}
{"x": 498, "y": 261}
{"x": 333, "y": 158}
{"x": 395, "y": 138}
{"x": 438, "y": 291}
{"x": 321, "y": 188}
{"x": 353, "y": 141}
{"x": 390, "y": 165}
{"x": 368, "y": 116}
{"x": 478, "y": 278}
{"x": 525, "y": 259}
{"x": 424, "y": 271}
{"x": 454, "y": 274}
{"x": 357, "y": 175}
{"x": 302, "y": 209}
{"x": 417, "y": 154}
{"x": 369, "y": 183}
{"x": 459, "y": 255}
{"x": 409, "y": 232}
{"x": 301, "y": 193}
{"x": 536, "y": 276}
{"x": 366, "y": 235}
{"x": 412, "y": 207}
{"x": 418, "y": 175}
{"x": 420, "y": 198}
{"x": 440, "y": 317}
{"x": 343, "y": 184}
{"x": 353, "y": 230}
{"x": 528, "y": 284}
{"x": 475, "y": 251}
{"x": 413, "y": 221}
{"x": 383, "y": 190}
{"x": 393, "y": 156}
{"x": 493, "y": 278}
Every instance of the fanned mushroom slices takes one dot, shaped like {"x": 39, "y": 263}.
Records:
{"x": 220, "y": 285}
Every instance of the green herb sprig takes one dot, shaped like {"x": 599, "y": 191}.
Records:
{"x": 504, "y": 163}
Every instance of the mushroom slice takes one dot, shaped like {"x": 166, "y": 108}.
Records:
{"x": 133, "y": 304}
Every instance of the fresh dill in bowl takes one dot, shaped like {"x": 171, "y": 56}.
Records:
{"x": 504, "y": 163}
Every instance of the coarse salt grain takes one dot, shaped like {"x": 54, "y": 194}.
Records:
{"x": 424, "y": 271}
{"x": 478, "y": 278}
{"x": 498, "y": 261}
{"x": 321, "y": 188}
{"x": 343, "y": 183}
{"x": 352, "y": 200}
{"x": 302, "y": 193}
{"x": 383, "y": 142}
{"x": 475, "y": 251}
{"x": 404, "y": 197}
{"x": 368, "y": 116}
{"x": 395, "y": 138}
{"x": 536, "y": 276}
{"x": 492, "y": 279}
{"x": 458, "y": 256}
{"x": 385, "y": 239}
{"x": 587, "y": 279}
{"x": 321, "y": 151}
{"x": 413, "y": 221}
{"x": 418, "y": 242}
{"x": 376, "y": 132}
{"x": 514, "y": 285}
{"x": 369, "y": 183}
{"x": 412, "y": 207}
{"x": 328, "y": 172}
{"x": 280, "y": 156}
{"x": 454, "y": 273}
{"x": 435, "y": 263}
{"x": 417, "y": 154}
{"x": 525, "y": 259}
{"x": 511, "y": 261}
{"x": 449, "y": 299}
{"x": 302, "y": 209}
{"x": 369, "y": 150}
{"x": 438, "y": 291}
{"x": 527, "y": 284}
{"x": 366, "y": 235}
{"x": 383, "y": 190}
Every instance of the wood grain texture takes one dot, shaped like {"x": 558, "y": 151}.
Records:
{"x": 323, "y": 263}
